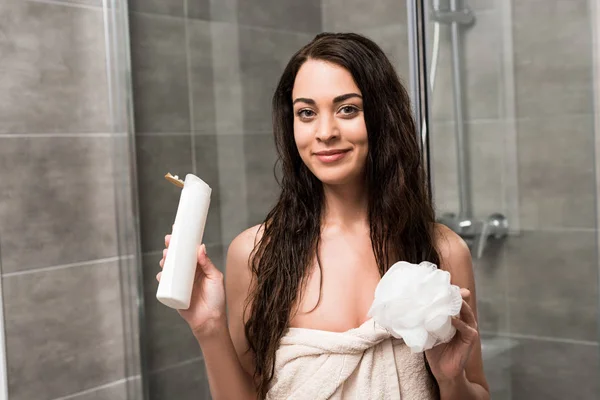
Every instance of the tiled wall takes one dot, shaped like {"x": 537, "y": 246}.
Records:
{"x": 203, "y": 77}
{"x": 203, "y": 74}
{"x": 59, "y": 255}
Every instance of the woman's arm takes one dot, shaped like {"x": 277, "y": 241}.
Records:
{"x": 229, "y": 364}
{"x": 456, "y": 259}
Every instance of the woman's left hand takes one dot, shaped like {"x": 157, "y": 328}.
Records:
{"x": 447, "y": 360}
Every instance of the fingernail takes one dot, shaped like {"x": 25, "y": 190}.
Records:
{"x": 203, "y": 249}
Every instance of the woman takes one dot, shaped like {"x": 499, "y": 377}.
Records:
{"x": 353, "y": 201}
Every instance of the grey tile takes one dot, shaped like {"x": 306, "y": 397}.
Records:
{"x": 130, "y": 300}
{"x": 263, "y": 57}
{"x": 207, "y": 167}
{"x": 553, "y": 284}
{"x": 57, "y": 201}
{"x": 160, "y": 79}
{"x": 491, "y": 283}
{"x": 96, "y": 3}
{"x": 393, "y": 40}
{"x": 63, "y": 331}
{"x": 481, "y": 62}
{"x": 262, "y": 187}
{"x": 116, "y": 391}
{"x": 232, "y": 186}
{"x": 169, "y": 339}
{"x": 173, "y": 8}
{"x": 219, "y": 10}
{"x": 123, "y": 159}
{"x": 354, "y": 15}
{"x": 553, "y": 61}
{"x": 227, "y": 78}
{"x": 487, "y": 150}
{"x": 286, "y": 15}
{"x": 487, "y": 158}
{"x": 53, "y": 69}
{"x": 443, "y": 167}
{"x": 480, "y": 5}
{"x": 553, "y": 371}
{"x": 185, "y": 382}
{"x": 497, "y": 373}
{"x": 202, "y": 9}
{"x": 201, "y": 76}
{"x": 556, "y": 172}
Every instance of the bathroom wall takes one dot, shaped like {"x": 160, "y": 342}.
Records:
{"x": 203, "y": 77}
{"x": 383, "y": 22}
{"x": 529, "y": 119}
{"x": 58, "y": 241}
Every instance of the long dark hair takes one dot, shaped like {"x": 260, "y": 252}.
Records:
{"x": 400, "y": 210}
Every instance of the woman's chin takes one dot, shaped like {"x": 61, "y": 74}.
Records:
{"x": 336, "y": 178}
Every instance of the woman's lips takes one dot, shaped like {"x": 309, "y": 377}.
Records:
{"x": 331, "y": 155}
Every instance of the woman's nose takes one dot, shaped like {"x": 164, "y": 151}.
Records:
{"x": 327, "y": 130}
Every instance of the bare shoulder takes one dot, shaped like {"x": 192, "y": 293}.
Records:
{"x": 240, "y": 249}
{"x": 238, "y": 278}
{"x": 455, "y": 256}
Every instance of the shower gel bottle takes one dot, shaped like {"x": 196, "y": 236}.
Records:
{"x": 179, "y": 270}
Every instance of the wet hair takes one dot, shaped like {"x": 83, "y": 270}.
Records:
{"x": 400, "y": 210}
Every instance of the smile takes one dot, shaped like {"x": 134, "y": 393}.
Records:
{"x": 329, "y": 156}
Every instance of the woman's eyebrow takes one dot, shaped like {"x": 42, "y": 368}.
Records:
{"x": 304, "y": 100}
{"x": 337, "y": 99}
{"x": 345, "y": 97}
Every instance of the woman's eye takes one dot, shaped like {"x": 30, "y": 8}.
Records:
{"x": 306, "y": 113}
{"x": 348, "y": 110}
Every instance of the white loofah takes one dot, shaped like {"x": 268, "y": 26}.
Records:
{"x": 416, "y": 303}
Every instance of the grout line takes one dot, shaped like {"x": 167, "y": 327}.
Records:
{"x": 216, "y": 130}
{"x": 97, "y": 7}
{"x": 137, "y": 134}
{"x": 540, "y": 338}
{"x": 190, "y": 86}
{"x": 557, "y": 229}
{"x": 205, "y": 131}
{"x": 177, "y": 365}
{"x": 59, "y": 135}
{"x": 508, "y": 104}
{"x": 3, "y": 349}
{"x": 233, "y": 24}
{"x": 64, "y": 266}
{"x": 515, "y": 119}
{"x": 594, "y": 19}
{"x": 95, "y": 389}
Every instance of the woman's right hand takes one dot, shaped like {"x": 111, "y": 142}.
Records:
{"x": 206, "y": 314}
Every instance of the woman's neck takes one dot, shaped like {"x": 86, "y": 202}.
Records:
{"x": 346, "y": 207}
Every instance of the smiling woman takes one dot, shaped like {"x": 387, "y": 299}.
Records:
{"x": 329, "y": 127}
{"x": 353, "y": 201}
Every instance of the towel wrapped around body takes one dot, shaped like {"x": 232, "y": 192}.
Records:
{"x": 363, "y": 363}
{"x": 383, "y": 358}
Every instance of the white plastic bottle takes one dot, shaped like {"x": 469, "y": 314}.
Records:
{"x": 177, "y": 279}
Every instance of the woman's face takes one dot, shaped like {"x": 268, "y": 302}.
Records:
{"x": 329, "y": 124}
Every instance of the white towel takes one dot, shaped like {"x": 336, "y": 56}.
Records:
{"x": 363, "y": 363}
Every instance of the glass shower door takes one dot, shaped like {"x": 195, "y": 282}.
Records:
{"x": 511, "y": 140}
